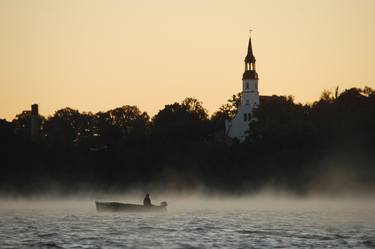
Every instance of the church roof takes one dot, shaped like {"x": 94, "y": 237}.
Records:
{"x": 250, "y": 58}
{"x": 266, "y": 98}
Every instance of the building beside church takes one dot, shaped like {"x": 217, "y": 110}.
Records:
{"x": 239, "y": 125}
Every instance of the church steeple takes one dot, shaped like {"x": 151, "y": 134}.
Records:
{"x": 250, "y": 60}
{"x": 238, "y": 127}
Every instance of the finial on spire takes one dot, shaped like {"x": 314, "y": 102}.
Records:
{"x": 250, "y": 30}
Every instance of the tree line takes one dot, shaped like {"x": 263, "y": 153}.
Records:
{"x": 328, "y": 145}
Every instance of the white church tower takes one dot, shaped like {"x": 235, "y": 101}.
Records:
{"x": 239, "y": 126}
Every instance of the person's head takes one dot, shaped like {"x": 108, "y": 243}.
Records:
{"x": 147, "y": 195}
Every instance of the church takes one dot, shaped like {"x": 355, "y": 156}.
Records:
{"x": 239, "y": 125}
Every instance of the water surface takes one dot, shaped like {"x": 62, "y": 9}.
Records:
{"x": 200, "y": 226}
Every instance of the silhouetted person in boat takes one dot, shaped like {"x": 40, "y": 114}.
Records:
{"x": 147, "y": 200}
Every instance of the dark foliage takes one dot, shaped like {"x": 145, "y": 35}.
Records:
{"x": 291, "y": 146}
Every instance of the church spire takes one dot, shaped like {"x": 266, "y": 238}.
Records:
{"x": 250, "y": 58}
{"x": 250, "y": 72}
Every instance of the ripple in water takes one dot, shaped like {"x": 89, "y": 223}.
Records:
{"x": 76, "y": 228}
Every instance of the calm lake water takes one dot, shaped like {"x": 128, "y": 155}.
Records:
{"x": 247, "y": 224}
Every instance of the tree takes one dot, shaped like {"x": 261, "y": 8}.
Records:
{"x": 181, "y": 123}
{"x": 225, "y": 112}
{"x": 6, "y": 132}
{"x": 107, "y": 134}
{"x": 63, "y": 128}
{"x": 22, "y": 124}
{"x": 279, "y": 122}
{"x": 129, "y": 120}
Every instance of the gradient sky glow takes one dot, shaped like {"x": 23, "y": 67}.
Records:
{"x": 96, "y": 55}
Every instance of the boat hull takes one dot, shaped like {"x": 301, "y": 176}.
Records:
{"x": 126, "y": 207}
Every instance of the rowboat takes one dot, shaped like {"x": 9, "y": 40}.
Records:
{"x": 127, "y": 207}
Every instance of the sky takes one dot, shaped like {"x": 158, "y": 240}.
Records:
{"x": 96, "y": 55}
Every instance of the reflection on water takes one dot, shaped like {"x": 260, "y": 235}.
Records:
{"x": 246, "y": 227}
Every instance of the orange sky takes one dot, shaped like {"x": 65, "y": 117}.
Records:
{"x": 97, "y": 55}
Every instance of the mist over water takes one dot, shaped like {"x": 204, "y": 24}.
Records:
{"x": 192, "y": 221}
